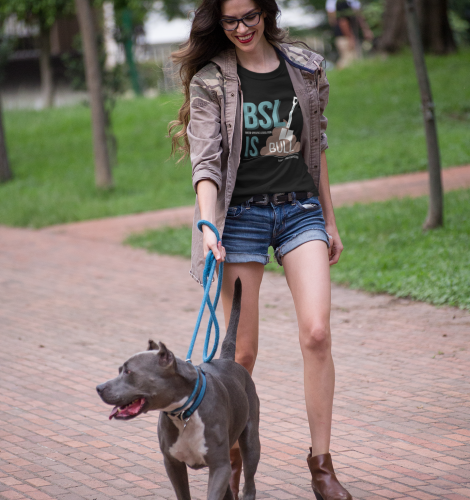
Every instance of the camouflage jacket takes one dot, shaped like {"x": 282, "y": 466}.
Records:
{"x": 215, "y": 127}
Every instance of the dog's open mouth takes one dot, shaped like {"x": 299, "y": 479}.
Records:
{"x": 130, "y": 410}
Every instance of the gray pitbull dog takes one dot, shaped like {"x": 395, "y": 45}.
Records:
{"x": 196, "y": 428}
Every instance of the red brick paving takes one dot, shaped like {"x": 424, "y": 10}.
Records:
{"x": 116, "y": 229}
{"x": 73, "y": 309}
{"x": 413, "y": 185}
{"x": 397, "y": 186}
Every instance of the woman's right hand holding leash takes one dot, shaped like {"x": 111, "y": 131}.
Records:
{"x": 209, "y": 242}
{"x": 207, "y": 198}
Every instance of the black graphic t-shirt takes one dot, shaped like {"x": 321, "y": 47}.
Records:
{"x": 271, "y": 161}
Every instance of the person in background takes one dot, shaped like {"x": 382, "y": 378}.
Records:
{"x": 346, "y": 19}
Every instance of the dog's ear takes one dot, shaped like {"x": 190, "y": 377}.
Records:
{"x": 165, "y": 356}
{"x": 152, "y": 346}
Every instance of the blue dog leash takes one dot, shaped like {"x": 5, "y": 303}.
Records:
{"x": 209, "y": 270}
{"x": 185, "y": 411}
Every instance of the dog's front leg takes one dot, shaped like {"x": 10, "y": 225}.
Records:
{"x": 178, "y": 474}
{"x": 219, "y": 478}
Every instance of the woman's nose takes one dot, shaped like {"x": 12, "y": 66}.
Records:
{"x": 242, "y": 29}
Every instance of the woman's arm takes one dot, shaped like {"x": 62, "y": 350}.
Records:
{"x": 205, "y": 138}
{"x": 336, "y": 247}
{"x": 207, "y": 197}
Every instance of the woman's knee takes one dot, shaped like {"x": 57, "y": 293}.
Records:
{"x": 246, "y": 358}
{"x": 316, "y": 340}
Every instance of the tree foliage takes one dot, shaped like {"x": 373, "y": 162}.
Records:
{"x": 42, "y": 12}
{"x": 177, "y": 8}
{"x": 461, "y": 7}
{"x": 139, "y": 9}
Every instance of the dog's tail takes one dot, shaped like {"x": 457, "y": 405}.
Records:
{"x": 230, "y": 340}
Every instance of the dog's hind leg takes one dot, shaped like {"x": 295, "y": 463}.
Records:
{"x": 178, "y": 475}
{"x": 250, "y": 448}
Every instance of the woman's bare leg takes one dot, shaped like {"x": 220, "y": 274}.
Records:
{"x": 308, "y": 276}
{"x": 250, "y": 274}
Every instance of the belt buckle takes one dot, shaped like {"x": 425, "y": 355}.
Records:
{"x": 275, "y": 198}
{"x": 264, "y": 201}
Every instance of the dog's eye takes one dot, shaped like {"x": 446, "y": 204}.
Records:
{"x": 127, "y": 372}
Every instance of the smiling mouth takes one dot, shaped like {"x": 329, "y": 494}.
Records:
{"x": 128, "y": 411}
{"x": 246, "y": 38}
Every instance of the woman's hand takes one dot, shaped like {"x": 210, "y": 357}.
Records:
{"x": 209, "y": 242}
{"x": 336, "y": 247}
{"x": 207, "y": 198}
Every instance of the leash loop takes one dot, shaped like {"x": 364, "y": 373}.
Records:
{"x": 208, "y": 274}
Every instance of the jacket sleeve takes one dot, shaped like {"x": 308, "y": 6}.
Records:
{"x": 204, "y": 133}
{"x": 324, "y": 90}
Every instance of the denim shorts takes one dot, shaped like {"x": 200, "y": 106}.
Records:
{"x": 251, "y": 229}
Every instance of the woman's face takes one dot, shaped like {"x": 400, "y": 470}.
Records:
{"x": 244, "y": 38}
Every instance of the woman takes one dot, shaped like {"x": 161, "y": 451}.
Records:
{"x": 258, "y": 179}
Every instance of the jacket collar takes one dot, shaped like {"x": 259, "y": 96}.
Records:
{"x": 297, "y": 57}
{"x": 227, "y": 62}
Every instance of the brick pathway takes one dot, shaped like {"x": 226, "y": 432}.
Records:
{"x": 73, "y": 309}
{"x": 398, "y": 186}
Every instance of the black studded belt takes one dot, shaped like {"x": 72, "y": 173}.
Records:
{"x": 278, "y": 198}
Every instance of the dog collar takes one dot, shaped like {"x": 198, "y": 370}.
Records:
{"x": 183, "y": 412}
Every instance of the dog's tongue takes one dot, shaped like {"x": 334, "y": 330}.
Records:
{"x": 113, "y": 413}
{"x": 127, "y": 411}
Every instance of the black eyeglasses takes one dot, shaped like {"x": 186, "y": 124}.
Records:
{"x": 249, "y": 21}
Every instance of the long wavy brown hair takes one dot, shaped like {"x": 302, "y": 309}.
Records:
{"x": 206, "y": 40}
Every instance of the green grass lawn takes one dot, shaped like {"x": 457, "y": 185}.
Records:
{"x": 375, "y": 120}
{"x": 385, "y": 249}
{"x": 51, "y": 156}
{"x": 375, "y": 129}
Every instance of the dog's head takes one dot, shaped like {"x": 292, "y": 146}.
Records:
{"x": 142, "y": 384}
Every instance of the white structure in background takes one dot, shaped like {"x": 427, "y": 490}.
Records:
{"x": 113, "y": 54}
{"x": 297, "y": 16}
{"x": 159, "y": 31}
{"x": 13, "y": 27}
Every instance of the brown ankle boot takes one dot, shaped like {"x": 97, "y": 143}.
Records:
{"x": 236, "y": 463}
{"x": 325, "y": 486}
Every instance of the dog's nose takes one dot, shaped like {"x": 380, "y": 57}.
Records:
{"x": 99, "y": 389}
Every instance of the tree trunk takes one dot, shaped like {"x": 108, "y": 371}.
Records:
{"x": 435, "y": 212}
{"x": 436, "y": 31}
{"x": 5, "y": 172}
{"x": 103, "y": 175}
{"x": 433, "y": 18}
{"x": 394, "y": 34}
{"x": 47, "y": 83}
